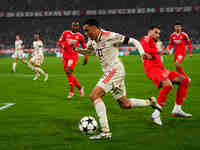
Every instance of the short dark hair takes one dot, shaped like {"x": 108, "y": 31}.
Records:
{"x": 153, "y": 27}
{"x": 91, "y": 22}
{"x": 178, "y": 23}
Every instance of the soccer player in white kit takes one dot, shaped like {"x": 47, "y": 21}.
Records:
{"x": 18, "y": 54}
{"x": 106, "y": 45}
{"x": 37, "y": 58}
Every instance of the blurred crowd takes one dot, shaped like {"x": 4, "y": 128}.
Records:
{"x": 50, "y": 28}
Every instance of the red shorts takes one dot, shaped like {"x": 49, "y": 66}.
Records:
{"x": 179, "y": 57}
{"x": 157, "y": 75}
{"x": 70, "y": 62}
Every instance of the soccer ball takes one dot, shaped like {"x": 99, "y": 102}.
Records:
{"x": 88, "y": 125}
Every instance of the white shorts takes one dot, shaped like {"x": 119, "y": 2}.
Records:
{"x": 37, "y": 60}
{"x": 113, "y": 82}
{"x": 18, "y": 54}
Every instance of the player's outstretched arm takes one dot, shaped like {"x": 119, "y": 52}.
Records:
{"x": 84, "y": 51}
{"x": 134, "y": 42}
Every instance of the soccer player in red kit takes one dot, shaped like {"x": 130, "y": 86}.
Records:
{"x": 162, "y": 77}
{"x": 178, "y": 40}
{"x": 70, "y": 57}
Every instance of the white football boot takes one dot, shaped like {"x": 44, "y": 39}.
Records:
{"x": 181, "y": 113}
{"x": 102, "y": 135}
{"x": 70, "y": 95}
{"x": 156, "y": 117}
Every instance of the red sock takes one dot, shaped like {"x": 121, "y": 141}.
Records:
{"x": 71, "y": 83}
{"x": 75, "y": 81}
{"x": 182, "y": 91}
{"x": 180, "y": 70}
{"x": 163, "y": 94}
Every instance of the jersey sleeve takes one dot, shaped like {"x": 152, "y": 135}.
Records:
{"x": 117, "y": 39}
{"x": 187, "y": 39}
{"x": 169, "y": 47}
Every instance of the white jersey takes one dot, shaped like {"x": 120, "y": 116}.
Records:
{"x": 38, "y": 48}
{"x": 18, "y": 45}
{"x": 107, "y": 50}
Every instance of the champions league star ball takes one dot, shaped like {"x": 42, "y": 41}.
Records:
{"x": 88, "y": 125}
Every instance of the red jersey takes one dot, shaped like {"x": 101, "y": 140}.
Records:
{"x": 68, "y": 50}
{"x": 150, "y": 47}
{"x": 179, "y": 43}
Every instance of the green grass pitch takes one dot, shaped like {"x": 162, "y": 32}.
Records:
{"x": 43, "y": 118}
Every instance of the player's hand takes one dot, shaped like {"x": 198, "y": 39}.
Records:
{"x": 147, "y": 56}
{"x": 85, "y": 62}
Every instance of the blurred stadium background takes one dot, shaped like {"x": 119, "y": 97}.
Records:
{"x": 131, "y": 17}
{"x": 43, "y": 119}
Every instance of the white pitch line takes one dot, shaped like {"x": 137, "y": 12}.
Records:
{"x": 7, "y": 105}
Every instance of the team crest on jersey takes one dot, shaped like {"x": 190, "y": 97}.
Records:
{"x": 76, "y": 37}
{"x": 174, "y": 38}
{"x": 68, "y": 35}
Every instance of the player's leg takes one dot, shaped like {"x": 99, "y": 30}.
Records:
{"x": 161, "y": 99}
{"x": 127, "y": 103}
{"x": 96, "y": 97}
{"x": 35, "y": 63}
{"x": 68, "y": 72}
{"x": 183, "y": 83}
{"x": 14, "y": 64}
{"x": 69, "y": 67}
{"x": 178, "y": 59}
{"x": 75, "y": 81}
{"x": 119, "y": 93}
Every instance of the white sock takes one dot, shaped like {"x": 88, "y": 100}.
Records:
{"x": 14, "y": 66}
{"x": 101, "y": 112}
{"x": 156, "y": 113}
{"x": 37, "y": 69}
{"x": 176, "y": 108}
{"x": 139, "y": 102}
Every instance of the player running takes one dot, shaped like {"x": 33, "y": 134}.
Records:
{"x": 37, "y": 58}
{"x": 70, "y": 57}
{"x": 106, "y": 46}
{"x": 178, "y": 40}
{"x": 162, "y": 77}
{"x": 18, "y": 54}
